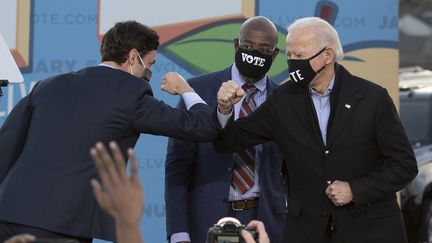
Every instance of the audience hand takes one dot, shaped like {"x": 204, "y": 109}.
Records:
{"x": 262, "y": 234}
{"x": 119, "y": 194}
{"x": 23, "y": 238}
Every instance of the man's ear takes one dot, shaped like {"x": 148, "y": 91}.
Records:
{"x": 132, "y": 56}
{"x": 276, "y": 52}
{"x": 330, "y": 54}
{"x": 235, "y": 43}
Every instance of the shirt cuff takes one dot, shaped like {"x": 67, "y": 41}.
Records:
{"x": 191, "y": 98}
{"x": 179, "y": 237}
{"x": 223, "y": 119}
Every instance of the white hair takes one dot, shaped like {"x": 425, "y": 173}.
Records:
{"x": 324, "y": 34}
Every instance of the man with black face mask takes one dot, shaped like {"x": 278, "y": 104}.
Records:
{"x": 201, "y": 185}
{"x": 344, "y": 146}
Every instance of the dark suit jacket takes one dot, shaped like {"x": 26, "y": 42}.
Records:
{"x": 45, "y": 167}
{"x": 197, "y": 179}
{"x": 366, "y": 146}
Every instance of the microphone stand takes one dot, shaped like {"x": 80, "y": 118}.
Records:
{"x": 3, "y": 83}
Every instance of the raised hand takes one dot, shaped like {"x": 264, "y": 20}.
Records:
{"x": 229, "y": 94}
{"x": 174, "y": 84}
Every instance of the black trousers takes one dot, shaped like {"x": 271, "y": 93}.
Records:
{"x": 332, "y": 235}
{"x": 8, "y": 230}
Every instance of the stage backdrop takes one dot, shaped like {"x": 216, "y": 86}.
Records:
{"x": 55, "y": 36}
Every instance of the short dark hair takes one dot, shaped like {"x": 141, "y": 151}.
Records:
{"x": 125, "y": 36}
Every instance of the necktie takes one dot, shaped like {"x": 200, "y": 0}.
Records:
{"x": 244, "y": 162}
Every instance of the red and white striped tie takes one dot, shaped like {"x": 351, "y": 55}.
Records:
{"x": 244, "y": 162}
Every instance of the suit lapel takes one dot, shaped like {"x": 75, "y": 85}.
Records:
{"x": 347, "y": 100}
{"x": 304, "y": 108}
{"x": 305, "y": 111}
{"x": 224, "y": 75}
{"x": 270, "y": 86}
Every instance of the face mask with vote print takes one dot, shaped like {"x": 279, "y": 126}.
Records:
{"x": 252, "y": 64}
{"x": 301, "y": 72}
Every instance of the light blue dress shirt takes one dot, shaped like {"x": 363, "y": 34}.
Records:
{"x": 322, "y": 108}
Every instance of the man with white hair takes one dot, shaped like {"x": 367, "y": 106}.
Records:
{"x": 346, "y": 151}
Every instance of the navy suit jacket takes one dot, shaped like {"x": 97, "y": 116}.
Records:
{"x": 197, "y": 178}
{"x": 45, "y": 166}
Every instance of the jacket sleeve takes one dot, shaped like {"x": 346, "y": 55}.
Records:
{"x": 399, "y": 166}
{"x": 180, "y": 157}
{"x": 155, "y": 117}
{"x": 13, "y": 135}
{"x": 246, "y": 132}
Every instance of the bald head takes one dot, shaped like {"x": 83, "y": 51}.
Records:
{"x": 259, "y": 30}
{"x": 257, "y": 41}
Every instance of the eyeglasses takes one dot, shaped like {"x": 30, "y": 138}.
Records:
{"x": 251, "y": 47}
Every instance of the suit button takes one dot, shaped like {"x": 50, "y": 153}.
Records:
{"x": 327, "y": 152}
{"x": 368, "y": 204}
{"x": 229, "y": 169}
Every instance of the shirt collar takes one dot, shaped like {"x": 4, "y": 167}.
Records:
{"x": 235, "y": 75}
{"x": 106, "y": 65}
{"x": 328, "y": 90}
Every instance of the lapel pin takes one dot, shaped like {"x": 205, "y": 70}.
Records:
{"x": 348, "y": 106}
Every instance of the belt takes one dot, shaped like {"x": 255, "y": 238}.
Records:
{"x": 243, "y": 204}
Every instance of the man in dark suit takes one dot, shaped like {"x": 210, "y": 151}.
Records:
{"x": 345, "y": 149}
{"x": 45, "y": 166}
{"x": 199, "y": 188}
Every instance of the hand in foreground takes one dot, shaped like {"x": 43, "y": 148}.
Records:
{"x": 174, "y": 84}
{"x": 339, "y": 192}
{"x": 22, "y": 238}
{"x": 229, "y": 94}
{"x": 262, "y": 234}
{"x": 118, "y": 194}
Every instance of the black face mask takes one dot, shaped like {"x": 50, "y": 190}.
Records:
{"x": 147, "y": 72}
{"x": 252, "y": 64}
{"x": 146, "y": 75}
{"x": 301, "y": 72}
